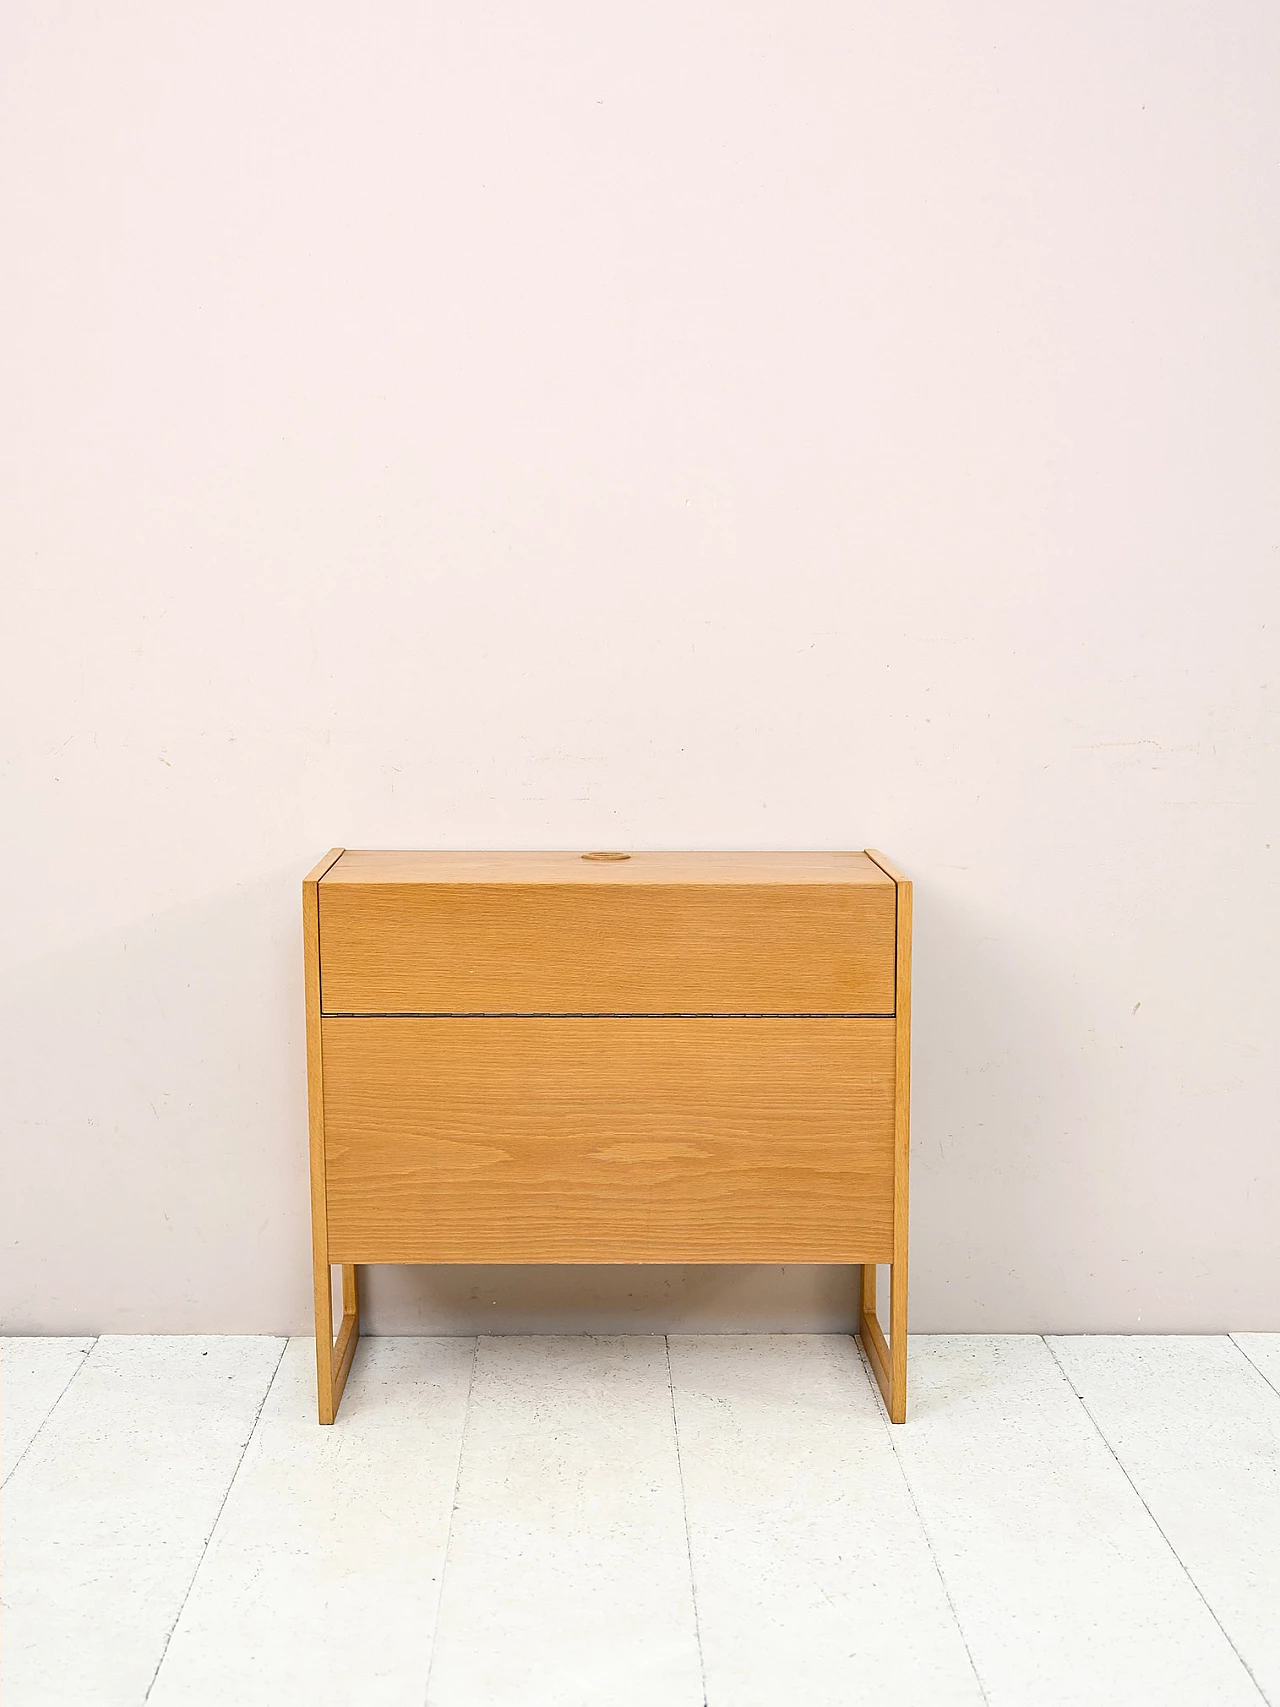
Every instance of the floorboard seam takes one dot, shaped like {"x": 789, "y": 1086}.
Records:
{"x": 448, "y": 1539}
{"x": 889, "y": 1427}
{"x": 257, "y": 1415}
{"x": 1256, "y": 1367}
{"x": 52, "y": 1408}
{"x": 1080, "y": 1399}
{"x": 684, "y": 1512}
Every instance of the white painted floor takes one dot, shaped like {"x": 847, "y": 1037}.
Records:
{"x": 640, "y": 1522}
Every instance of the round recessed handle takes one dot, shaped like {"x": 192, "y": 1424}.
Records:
{"x": 604, "y": 855}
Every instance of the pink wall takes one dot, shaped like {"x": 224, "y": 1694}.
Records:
{"x": 741, "y": 425}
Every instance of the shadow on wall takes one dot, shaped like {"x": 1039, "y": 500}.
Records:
{"x": 1013, "y": 1169}
{"x": 154, "y": 1127}
{"x": 603, "y": 1299}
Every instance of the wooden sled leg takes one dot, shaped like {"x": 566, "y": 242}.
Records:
{"x": 333, "y": 1359}
{"x": 888, "y": 1361}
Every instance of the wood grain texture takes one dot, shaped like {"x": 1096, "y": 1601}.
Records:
{"x": 891, "y": 1370}
{"x": 886, "y": 866}
{"x": 323, "y": 868}
{"x": 375, "y": 865}
{"x": 344, "y": 1349}
{"x": 606, "y": 948}
{"x": 329, "y": 1381}
{"x": 901, "y": 1159}
{"x": 873, "y": 1343}
{"x": 609, "y": 1140}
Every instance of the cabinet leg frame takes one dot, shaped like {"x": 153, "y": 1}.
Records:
{"x": 888, "y": 1360}
{"x": 333, "y": 1357}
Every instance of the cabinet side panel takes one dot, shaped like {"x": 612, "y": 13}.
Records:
{"x": 315, "y": 1060}
{"x": 889, "y": 1362}
{"x": 902, "y": 1076}
{"x": 901, "y": 1163}
{"x": 609, "y": 1140}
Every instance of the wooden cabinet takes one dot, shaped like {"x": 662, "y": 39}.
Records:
{"x": 657, "y": 1057}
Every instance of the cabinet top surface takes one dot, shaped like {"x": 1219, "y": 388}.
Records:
{"x": 411, "y": 866}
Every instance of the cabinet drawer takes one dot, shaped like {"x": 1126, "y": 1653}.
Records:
{"x": 609, "y": 1140}
{"x": 561, "y": 937}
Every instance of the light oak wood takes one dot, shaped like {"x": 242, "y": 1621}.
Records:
{"x": 348, "y": 1334}
{"x": 873, "y": 1343}
{"x": 589, "y": 944}
{"x": 892, "y": 1373}
{"x": 332, "y": 1363}
{"x": 609, "y": 1140}
{"x": 635, "y": 1136}
{"x": 886, "y": 866}
{"x": 376, "y": 865}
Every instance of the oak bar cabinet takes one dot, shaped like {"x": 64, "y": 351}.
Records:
{"x": 606, "y": 1057}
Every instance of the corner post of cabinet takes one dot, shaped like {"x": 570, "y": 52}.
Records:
{"x": 333, "y": 1360}
{"x": 889, "y": 1363}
